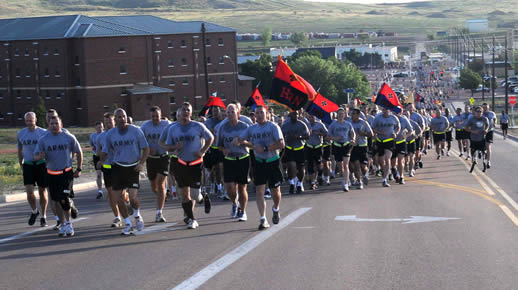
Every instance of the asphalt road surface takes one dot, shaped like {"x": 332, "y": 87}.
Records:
{"x": 444, "y": 229}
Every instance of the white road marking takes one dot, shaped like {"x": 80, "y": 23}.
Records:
{"x": 410, "y": 220}
{"x": 211, "y": 270}
{"x": 18, "y": 236}
{"x": 155, "y": 228}
{"x": 474, "y": 173}
{"x": 11, "y": 203}
{"x": 303, "y": 228}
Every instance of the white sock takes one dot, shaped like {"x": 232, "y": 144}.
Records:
{"x": 173, "y": 188}
{"x": 56, "y": 217}
{"x": 128, "y": 221}
{"x": 275, "y": 209}
{"x": 136, "y": 212}
{"x": 293, "y": 180}
{"x": 263, "y": 218}
{"x": 35, "y": 210}
{"x": 159, "y": 211}
{"x": 100, "y": 191}
{"x": 220, "y": 186}
{"x": 299, "y": 183}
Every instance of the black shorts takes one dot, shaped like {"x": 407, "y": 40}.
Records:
{"x": 427, "y": 134}
{"x": 341, "y": 151}
{"x": 359, "y": 153}
{"x": 489, "y": 137}
{"x": 268, "y": 173}
{"x": 107, "y": 176}
{"x": 60, "y": 186}
{"x": 504, "y": 126}
{"x": 187, "y": 176}
{"x": 213, "y": 157}
{"x": 125, "y": 177}
{"x": 370, "y": 147}
{"x": 439, "y": 137}
{"x": 95, "y": 161}
{"x": 35, "y": 174}
{"x": 418, "y": 144}
{"x": 382, "y": 146}
{"x": 314, "y": 154}
{"x": 296, "y": 156}
{"x": 156, "y": 166}
{"x": 172, "y": 163}
{"x": 458, "y": 134}
{"x": 411, "y": 146}
{"x": 326, "y": 152}
{"x": 478, "y": 145}
{"x": 465, "y": 135}
{"x": 236, "y": 171}
{"x": 449, "y": 136}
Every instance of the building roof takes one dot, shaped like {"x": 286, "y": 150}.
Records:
{"x": 81, "y": 26}
{"x": 148, "y": 89}
{"x": 325, "y": 51}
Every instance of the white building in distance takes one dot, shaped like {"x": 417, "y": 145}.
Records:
{"x": 388, "y": 53}
{"x": 477, "y": 25}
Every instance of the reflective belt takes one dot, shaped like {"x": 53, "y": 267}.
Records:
{"x": 127, "y": 165}
{"x": 157, "y": 156}
{"x": 459, "y": 129}
{"x": 192, "y": 163}
{"x": 362, "y": 145}
{"x": 399, "y": 142}
{"x": 341, "y": 145}
{"x": 173, "y": 156}
{"x": 439, "y": 132}
{"x": 295, "y": 149}
{"x": 260, "y": 160}
{"x": 58, "y": 172}
{"x": 325, "y": 145}
{"x": 314, "y": 146}
{"x": 214, "y": 147}
{"x": 385, "y": 140}
{"x": 237, "y": 158}
{"x": 411, "y": 141}
{"x": 34, "y": 163}
{"x": 107, "y": 166}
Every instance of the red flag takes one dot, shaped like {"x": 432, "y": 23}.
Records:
{"x": 256, "y": 99}
{"x": 388, "y": 99}
{"x": 287, "y": 88}
{"x": 213, "y": 101}
{"x": 309, "y": 88}
{"x": 321, "y": 108}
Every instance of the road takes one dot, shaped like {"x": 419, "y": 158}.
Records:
{"x": 310, "y": 249}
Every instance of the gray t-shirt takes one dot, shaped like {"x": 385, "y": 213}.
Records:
{"x": 153, "y": 133}
{"x": 211, "y": 123}
{"x": 458, "y": 122}
{"x": 100, "y": 141}
{"x": 439, "y": 124}
{"x": 27, "y": 141}
{"x": 405, "y": 130}
{"x": 294, "y": 129}
{"x": 226, "y": 135}
{"x": 342, "y": 130}
{"x": 450, "y": 122}
{"x": 416, "y": 117}
{"x": 264, "y": 135}
{"x": 58, "y": 149}
{"x": 417, "y": 130}
{"x": 317, "y": 129}
{"x": 504, "y": 119}
{"x": 386, "y": 126}
{"x": 491, "y": 117}
{"x": 477, "y": 127}
{"x": 364, "y": 127}
{"x": 193, "y": 136}
{"x": 93, "y": 141}
{"x": 126, "y": 145}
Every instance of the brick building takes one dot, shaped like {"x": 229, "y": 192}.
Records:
{"x": 84, "y": 66}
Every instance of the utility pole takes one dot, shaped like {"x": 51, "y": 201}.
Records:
{"x": 484, "y": 70}
{"x": 505, "y": 75}
{"x": 493, "y": 75}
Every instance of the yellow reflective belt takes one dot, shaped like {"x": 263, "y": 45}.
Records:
{"x": 237, "y": 158}
{"x": 314, "y": 147}
{"x": 172, "y": 155}
{"x": 107, "y": 166}
{"x": 411, "y": 141}
{"x": 341, "y": 145}
{"x": 439, "y": 132}
{"x": 362, "y": 145}
{"x": 385, "y": 140}
{"x": 295, "y": 149}
{"x": 214, "y": 147}
{"x": 399, "y": 142}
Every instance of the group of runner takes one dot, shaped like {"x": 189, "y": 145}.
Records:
{"x": 228, "y": 150}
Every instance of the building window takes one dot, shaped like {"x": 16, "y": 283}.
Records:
{"x": 26, "y": 52}
{"x": 29, "y": 96}
{"x": 76, "y": 60}
{"x": 221, "y": 60}
{"x": 58, "y": 74}
{"x": 207, "y": 41}
{"x": 18, "y": 73}
{"x": 169, "y": 44}
{"x": 170, "y": 63}
{"x": 185, "y": 98}
{"x": 18, "y": 94}
{"x": 1, "y": 96}
{"x": 1, "y": 116}
{"x": 78, "y": 82}
{"x": 183, "y": 44}
{"x": 46, "y": 72}
{"x": 45, "y": 51}
{"x": 209, "y": 80}
{"x": 56, "y": 51}
{"x": 47, "y": 96}
{"x": 184, "y": 61}
{"x": 122, "y": 49}
{"x": 28, "y": 75}
{"x": 20, "y": 116}
{"x": 222, "y": 96}
{"x": 16, "y": 52}
{"x": 172, "y": 101}
{"x": 220, "y": 41}
{"x": 185, "y": 82}
{"x": 124, "y": 92}
{"x": 209, "y": 61}
{"x": 171, "y": 83}
{"x": 221, "y": 79}
{"x": 60, "y": 95}
{"x": 123, "y": 70}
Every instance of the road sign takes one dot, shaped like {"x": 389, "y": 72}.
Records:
{"x": 350, "y": 90}
{"x": 409, "y": 220}
{"x": 471, "y": 101}
{"x": 512, "y": 100}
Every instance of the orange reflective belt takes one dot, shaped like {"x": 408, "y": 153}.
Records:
{"x": 192, "y": 163}
{"x": 58, "y": 172}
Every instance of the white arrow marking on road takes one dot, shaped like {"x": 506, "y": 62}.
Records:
{"x": 155, "y": 228}
{"x": 410, "y": 220}
{"x": 34, "y": 231}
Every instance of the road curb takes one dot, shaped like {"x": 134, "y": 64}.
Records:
{"x": 514, "y": 138}
{"x": 21, "y": 196}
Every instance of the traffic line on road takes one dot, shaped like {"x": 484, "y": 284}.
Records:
{"x": 18, "y": 236}
{"x": 409, "y": 220}
{"x": 211, "y": 270}
{"x": 153, "y": 229}
{"x": 475, "y": 174}
{"x": 509, "y": 214}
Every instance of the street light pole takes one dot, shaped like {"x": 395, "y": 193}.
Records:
{"x": 235, "y": 75}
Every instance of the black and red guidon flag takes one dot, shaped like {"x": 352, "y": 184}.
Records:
{"x": 213, "y": 101}
{"x": 388, "y": 99}
{"x": 256, "y": 99}
{"x": 287, "y": 89}
{"x": 322, "y": 108}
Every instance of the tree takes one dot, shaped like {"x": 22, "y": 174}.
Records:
{"x": 299, "y": 38}
{"x": 262, "y": 71}
{"x": 266, "y": 36}
{"x": 469, "y": 80}
{"x": 40, "y": 112}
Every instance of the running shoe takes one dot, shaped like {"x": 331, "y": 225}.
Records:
{"x": 420, "y": 164}
{"x": 263, "y": 225}
{"x": 276, "y": 217}
{"x": 116, "y": 222}
{"x": 243, "y": 217}
{"x": 62, "y": 232}
{"x": 328, "y": 183}
{"x": 159, "y": 218}
{"x": 73, "y": 209}
{"x": 461, "y": 154}
{"x": 366, "y": 180}
{"x": 206, "y": 203}
{"x": 401, "y": 180}
{"x": 69, "y": 230}
{"x": 411, "y": 173}
{"x": 385, "y": 183}
{"x": 99, "y": 195}
{"x": 128, "y": 230}
{"x": 479, "y": 155}
{"x": 139, "y": 221}
{"x": 292, "y": 189}
{"x": 192, "y": 224}
{"x": 186, "y": 220}
{"x": 425, "y": 152}
{"x": 442, "y": 152}
{"x": 32, "y": 218}
{"x": 233, "y": 211}
{"x": 268, "y": 194}
{"x": 448, "y": 153}
{"x": 378, "y": 172}
{"x": 346, "y": 187}
{"x": 320, "y": 180}
{"x": 438, "y": 156}
{"x": 300, "y": 189}
{"x": 57, "y": 226}
{"x": 488, "y": 164}
{"x": 314, "y": 186}
{"x": 468, "y": 157}
{"x": 359, "y": 185}
{"x": 43, "y": 222}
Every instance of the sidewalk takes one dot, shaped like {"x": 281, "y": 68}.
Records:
{"x": 21, "y": 196}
